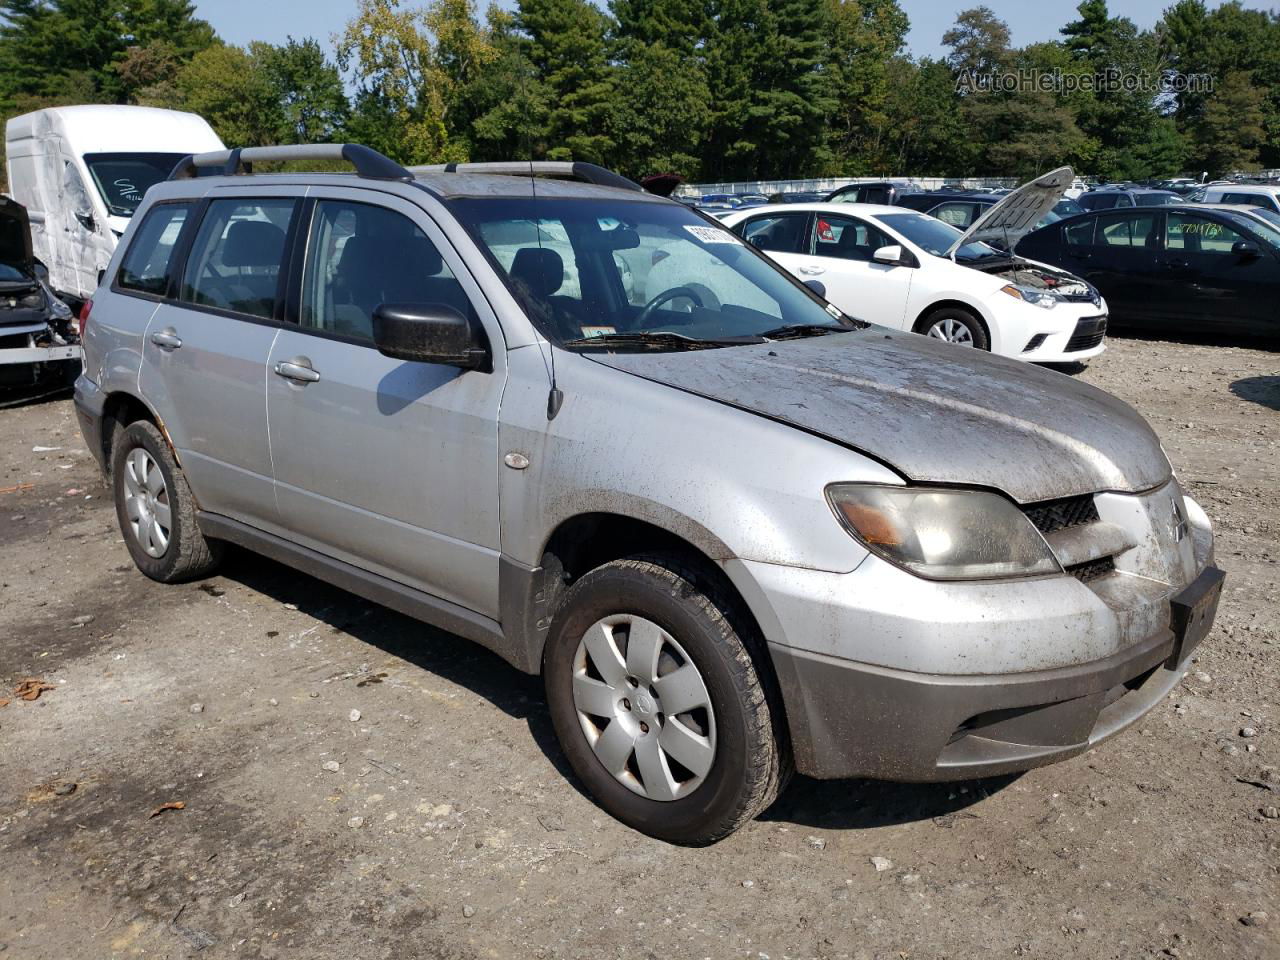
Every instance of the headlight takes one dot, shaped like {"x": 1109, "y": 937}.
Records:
{"x": 943, "y": 534}
{"x": 32, "y": 301}
{"x": 1038, "y": 297}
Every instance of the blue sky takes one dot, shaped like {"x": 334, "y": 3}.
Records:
{"x": 240, "y": 21}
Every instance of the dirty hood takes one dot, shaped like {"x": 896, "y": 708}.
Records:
{"x": 1017, "y": 214}
{"x": 15, "y": 235}
{"x": 934, "y": 412}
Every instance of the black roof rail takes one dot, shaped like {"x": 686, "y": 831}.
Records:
{"x": 555, "y": 169}
{"x": 367, "y": 163}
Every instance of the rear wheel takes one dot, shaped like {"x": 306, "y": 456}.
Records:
{"x": 955, "y": 325}
{"x": 658, "y": 703}
{"x": 156, "y": 511}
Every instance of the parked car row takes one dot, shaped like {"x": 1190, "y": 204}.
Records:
{"x": 737, "y": 530}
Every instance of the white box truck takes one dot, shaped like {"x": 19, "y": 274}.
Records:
{"x": 81, "y": 172}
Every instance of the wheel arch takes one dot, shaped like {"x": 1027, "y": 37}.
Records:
{"x": 955, "y": 303}
{"x": 120, "y": 409}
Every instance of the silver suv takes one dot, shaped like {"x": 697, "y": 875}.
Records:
{"x": 737, "y": 532}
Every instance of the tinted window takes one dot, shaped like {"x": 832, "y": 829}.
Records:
{"x": 1247, "y": 198}
{"x": 847, "y": 238}
{"x": 1194, "y": 234}
{"x": 1099, "y": 201}
{"x": 957, "y": 214}
{"x": 783, "y": 233}
{"x": 146, "y": 263}
{"x": 1133, "y": 231}
{"x": 1156, "y": 199}
{"x": 360, "y": 256}
{"x": 1081, "y": 233}
{"x": 235, "y": 261}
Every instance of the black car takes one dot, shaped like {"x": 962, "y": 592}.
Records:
{"x": 962, "y": 208}
{"x": 1182, "y": 266}
{"x": 1109, "y": 198}
{"x": 880, "y": 191}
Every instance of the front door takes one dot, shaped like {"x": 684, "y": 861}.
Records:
{"x": 1209, "y": 284}
{"x": 386, "y": 464}
{"x": 841, "y": 251}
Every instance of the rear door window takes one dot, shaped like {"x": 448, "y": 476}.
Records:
{"x": 237, "y": 255}
{"x": 1130, "y": 231}
{"x": 779, "y": 232}
{"x": 147, "y": 262}
{"x": 1080, "y": 234}
{"x": 957, "y": 214}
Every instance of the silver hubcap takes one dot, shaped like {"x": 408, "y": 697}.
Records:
{"x": 953, "y": 331}
{"x": 146, "y": 502}
{"x": 644, "y": 707}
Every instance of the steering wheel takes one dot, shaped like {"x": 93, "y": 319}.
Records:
{"x": 642, "y": 319}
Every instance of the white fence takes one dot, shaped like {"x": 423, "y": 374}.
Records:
{"x": 827, "y": 184}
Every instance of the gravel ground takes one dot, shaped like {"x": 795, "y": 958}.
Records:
{"x": 358, "y": 785}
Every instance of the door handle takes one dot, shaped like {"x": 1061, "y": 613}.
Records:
{"x": 811, "y": 271}
{"x": 298, "y": 369}
{"x": 166, "y": 339}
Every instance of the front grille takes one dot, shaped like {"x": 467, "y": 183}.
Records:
{"x": 1092, "y": 569}
{"x": 1088, "y": 334}
{"x": 1054, "y": 515}
{"x": 15, "y": 341}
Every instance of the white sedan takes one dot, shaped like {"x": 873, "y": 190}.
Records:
{"x": 903, "y": 269}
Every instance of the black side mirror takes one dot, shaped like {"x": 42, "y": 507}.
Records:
{"x": 1246, "y": 250}
{"x": 430, "y": 333}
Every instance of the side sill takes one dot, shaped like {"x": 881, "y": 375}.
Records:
{"x": 378, "y": 589}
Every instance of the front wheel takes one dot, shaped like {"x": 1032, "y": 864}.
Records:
{"x": 955, "y": 325}
{"x": 659, "y": 705}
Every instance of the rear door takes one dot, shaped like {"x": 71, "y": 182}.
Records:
{"x": 386, "y": 464}
{"x": 1123, "y": 262}
{"x": 842, "y": 248}
{"x": 205, "y": 350}
{"x": 783, "y": 236}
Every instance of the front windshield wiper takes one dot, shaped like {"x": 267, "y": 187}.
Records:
{"x": 795, "y": 331}
{"x": 660, "y": 339}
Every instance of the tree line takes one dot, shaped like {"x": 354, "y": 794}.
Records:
{"x": 710, "y": 89}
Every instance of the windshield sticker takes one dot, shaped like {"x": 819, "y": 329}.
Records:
{"x": 598, "y": 331}
{"x": 712, "y": 234}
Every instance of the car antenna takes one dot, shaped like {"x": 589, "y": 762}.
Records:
{"x": 555, "y": 397}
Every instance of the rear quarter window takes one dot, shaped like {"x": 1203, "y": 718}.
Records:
{"x": 148, "y": 261}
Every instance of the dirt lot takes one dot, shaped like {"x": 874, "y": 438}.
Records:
{"x": 450, "y": 828}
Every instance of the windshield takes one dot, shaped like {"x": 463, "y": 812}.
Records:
{"x": 1267, "y": 223}
{"x": 1269, "y": 215}
{"x": 123, "y": 178}
{"x": 587, "y": 269}
{"x": 935, "y": 237}
{"x": 1156, "y": 199}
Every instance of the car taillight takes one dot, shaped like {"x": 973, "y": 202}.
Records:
{"x": 82, "y": 320}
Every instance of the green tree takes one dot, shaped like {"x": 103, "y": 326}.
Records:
{"x": 230, "y": 87}
{"x": 313, "y": 103}
{"x": 979, "y": 42}
{"x": 1232, "y": 126}
{"x": 864, "y": 38}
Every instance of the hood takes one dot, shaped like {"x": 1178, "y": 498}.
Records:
{"x": 935, "y": 412}
{"x": 15, "y": 236}
{"x": 1017, "y": 214}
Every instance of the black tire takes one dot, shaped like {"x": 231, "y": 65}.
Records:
{"x": 958, "y": 315}
{"x": 187, "y": 554}
{"x": 751, "y": 761}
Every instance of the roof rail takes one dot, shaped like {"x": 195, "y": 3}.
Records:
{"x": 557, "y": 169}
{"x": 368, "y": 163}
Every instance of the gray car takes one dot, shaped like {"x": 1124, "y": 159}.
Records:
{"x": 738, "y": 533}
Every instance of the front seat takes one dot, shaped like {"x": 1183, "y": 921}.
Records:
{"x": 537, "y": 273}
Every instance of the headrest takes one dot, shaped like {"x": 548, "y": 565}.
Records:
{"x": 253, "y": 243}
{"x": 539, "y": 269}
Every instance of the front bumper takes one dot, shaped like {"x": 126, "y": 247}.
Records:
{"x": 857, "y": 720}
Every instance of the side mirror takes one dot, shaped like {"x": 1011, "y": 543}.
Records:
{"x": 1246, "y": 250}
{"x": 818, "y": 287}
{"x": 891, "y": 255}
{"x": 430, "y": 333}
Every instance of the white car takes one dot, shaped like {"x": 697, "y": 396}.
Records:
{"x": 907, "y": 270}
{"x": 1254, "y": 195}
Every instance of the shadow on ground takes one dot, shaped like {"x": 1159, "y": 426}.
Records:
{"x": 834, "y": 804}
{"x": 1261, "y": 390}
{"x": 1196, "y": 338}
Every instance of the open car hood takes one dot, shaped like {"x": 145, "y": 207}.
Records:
{"x": 1016, "y": 215}
{"x": 15, "y": 236}
{"x": 935, "y": 412}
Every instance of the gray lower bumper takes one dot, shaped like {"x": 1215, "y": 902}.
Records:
{"x": 89, "y": 409}
{"x": 855, "y": 720}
